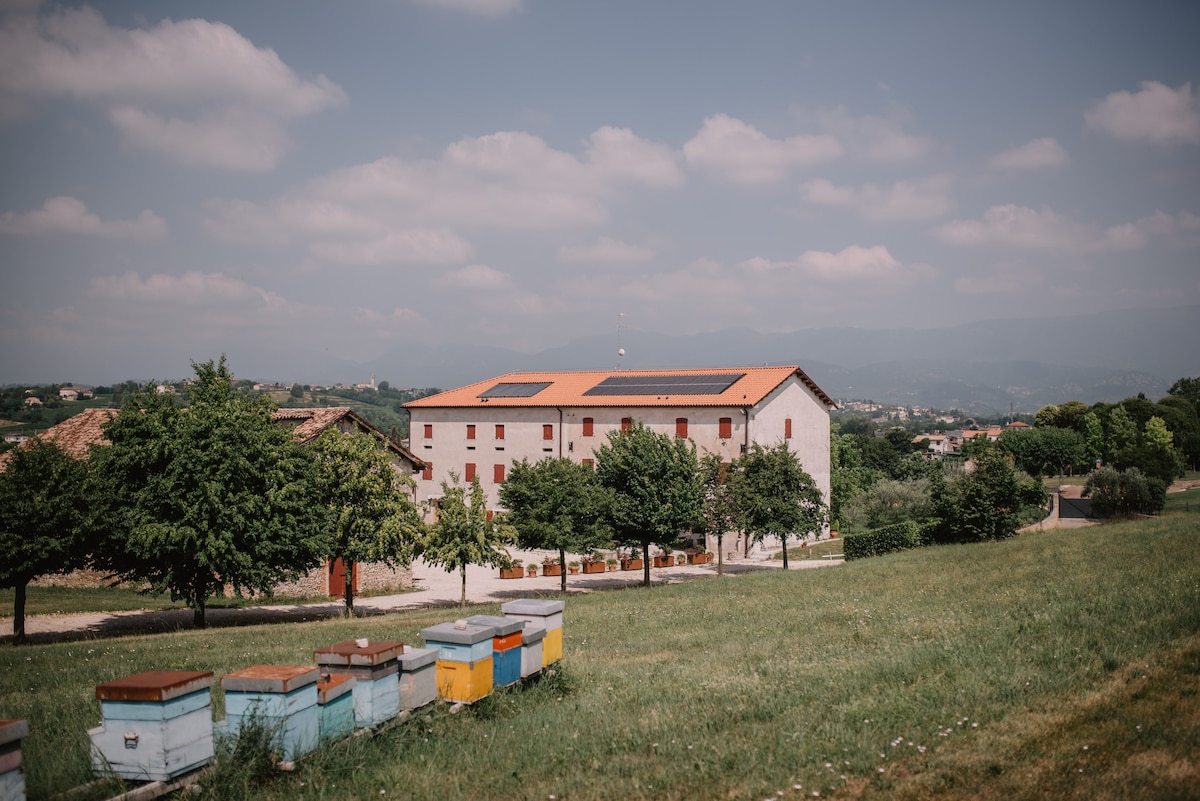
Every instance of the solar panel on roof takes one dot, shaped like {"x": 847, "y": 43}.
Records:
{"x": 513, "y": 389}
{"x": 695, "y": 384}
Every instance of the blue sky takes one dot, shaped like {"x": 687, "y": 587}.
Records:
{"x": 281, "y": 180}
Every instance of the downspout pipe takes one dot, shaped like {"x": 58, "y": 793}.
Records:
{"x": 561, "y": 433}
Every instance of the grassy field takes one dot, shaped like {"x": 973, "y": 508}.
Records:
{"x": 1056, "y": 665}
{"x": 69, "y": 600}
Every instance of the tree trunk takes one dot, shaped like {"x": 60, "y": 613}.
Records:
{"x": 783, "y": 539}
{"x": 645, "y": 564}
{"x": 562, "y": 569}
{"x": 720, "y": 554}
{"x": 19, "y": 612}
{"x": 462, "y": 601}
{"x": 198, "y": 620}
{"x": 349, "y": 588}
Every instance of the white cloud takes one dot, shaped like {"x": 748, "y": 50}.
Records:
{"x": 605, "y": 250}
{"x": 870, "y": 138}
{"x": 1156, "y": 113}
{"x": 619, "y": 155}
{"x": 67, "y": 215}
{"x": 484, "y": 8}
{"x": 414, "y": 246}
{"x": 1038, "y": 154}
{"x": 1022, "y": 227}
{"x": 477, "y": 277}
{"x": 195, "y": 90}
{"x": 740, "y": 153}
{"x": 193, "y": 289}
{"x": 903, "y": 201}
{"x": 872, "y": 266}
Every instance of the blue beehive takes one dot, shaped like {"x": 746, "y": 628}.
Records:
{"x": 506, "y": 647}
{"x": 335, "y": 697}
{"x": 156, "y": 725}
{"x": 12, "y": 776}
{"x": 375, "y": 666}
{"x": 282, "y": 697}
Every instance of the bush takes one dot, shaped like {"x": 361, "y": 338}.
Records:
{"x": 1124, "y": 493}
{"x": 888, "y": 539}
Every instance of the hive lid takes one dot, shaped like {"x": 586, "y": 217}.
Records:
{"x": 414, "y": 658}
{"x": 469, "y": 634}
{"x": 13, "y": 730}
{"x": 531, "y": 606}
{"x": 349, "y": 653}
{"x": 155, "y": 685}
{"x": 502, "y": 625}
{"x": 531, "y": 634}
{"x": 271, "y": 678}
{"x": 334, "y": 686}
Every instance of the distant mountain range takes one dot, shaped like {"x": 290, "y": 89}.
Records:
{"x": 981, "y": 367}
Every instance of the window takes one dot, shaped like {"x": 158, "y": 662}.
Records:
{"x": 499, "y": 430}
{"x": 787, "y": 428}
{"x": 626, "y": 425}
{"x": 725, "y": 428}
{"x": 428, "y": 431}
{"x": 681, "y": 427}
{"x": 469, "y": 473}
{"x": 498, "y": 474}
{"x": 547, "y": 431}
{"x": 470, "y": 431}
{"x": 587, "y": 426}
{"x": 589, "y": 462}
{"x": 427, "y": 473}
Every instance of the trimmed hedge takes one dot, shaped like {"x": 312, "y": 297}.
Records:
{"x": 888, "y": 539}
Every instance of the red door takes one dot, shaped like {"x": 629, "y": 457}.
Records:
{"x": 337, "y": 579}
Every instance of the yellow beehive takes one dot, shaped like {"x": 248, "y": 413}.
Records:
{"x": 465, "y": 682}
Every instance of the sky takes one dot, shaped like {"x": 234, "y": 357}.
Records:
{"x": 289, "y": 181}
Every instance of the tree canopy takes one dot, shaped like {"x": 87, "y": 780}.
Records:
{"x": 776, "y": 497}
{"x": 210, "y": 495}
{"x": 556, "y": 504}
{"x": 655, "y": 484}
{"x": 371, "y": 517}
{"x": 43, "y": 509}
{"x": 719, "y": 511}
{"x": 465, "y": 534}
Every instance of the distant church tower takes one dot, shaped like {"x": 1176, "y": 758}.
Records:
{"x": 372, "y": 381}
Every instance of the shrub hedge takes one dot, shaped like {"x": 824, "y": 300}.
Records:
{"x": 887, "y": 539}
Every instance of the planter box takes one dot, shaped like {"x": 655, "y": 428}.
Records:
{"x": 593, "y": 567}
{"x": 662, "y": 561}
{"x": 631, "y": 564}
{"x": 283, "y": 697}
{"x": 552, "y": 570}
{"x": 156, "y": 725}
{"x": 512, "y": 572}
{"x": 698, "y": 558}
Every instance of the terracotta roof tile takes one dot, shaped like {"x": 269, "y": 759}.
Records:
{"x": 568, "y": 388}
{"x": 311, "y": 422}
{"x": 74, "y": 434}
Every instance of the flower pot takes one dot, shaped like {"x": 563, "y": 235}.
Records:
{"x": 573, "y": 570}
{"x": 663, "y": 561}
{"x": 593, "y": 567}
{"x": 511, "y": 573}
{"x": 698, "y": 559}
{"x": 532, "y": 570}
{"x": 612, "y": 568}
{"x": 552, "y": 570}
{"x": 631, "y": 564}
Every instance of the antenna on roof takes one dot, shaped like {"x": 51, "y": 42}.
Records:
{"x": 620, "y": 350}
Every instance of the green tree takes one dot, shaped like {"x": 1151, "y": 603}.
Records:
{"x": 210, "y": 495}
{"x": 1181, "y": 418}
{"x": 1122, "y": 434}
{"x": 1093, "y": 432}
{"x": 1041, "y": 450}
{"x": 890, "y": 501}
{"x": 1124, "y": 493}
{"x": 371, "y": 517}
{"x": 985, "y": 502}
{"x": 655, "y": 484}
{"x": 719, "y": 511}
{"x": 43, "y": 508}
{"x": 556, "y": 504}
{"x": 849, "y": 477}
{"x": 776, "y": 497}
{"x": 464, "y": 534}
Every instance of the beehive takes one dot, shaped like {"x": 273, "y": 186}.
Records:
{"x": 418, "y": 677}
{"x": 335, "y": 698}
{"x": 280, "y": 697}
{"x": 375, "y": 666}
{"x": 544, "y": 613}
{"x": 506, "y": 647}
{"x": 464, "y": 659}
{"x": 12, "y": 775}
{"x": 155, "y": 725}
{"x": 531, "y": 650}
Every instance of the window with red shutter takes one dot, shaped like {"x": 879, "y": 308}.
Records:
{"x": 589, "y": 462}
{"x": 427, "y": 473}
{"x": 470, "y": 431}
{"x": 787, "y": 428}
{"x": 469, "y": 472}
{"x": 626, "y": 425}
{"x": 587, "y": 426}
{"x": 428, "y": 431}
{"x": 547, "y": 431}
{"x": 725, "y": 428}
{"x": 681, "y": 427}
{"x": 499, "y": 430}
{"x": 498, "y": 474}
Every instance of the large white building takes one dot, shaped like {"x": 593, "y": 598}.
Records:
{"x": 481, "y": 429}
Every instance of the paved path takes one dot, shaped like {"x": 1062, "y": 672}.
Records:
{"x": 434, "y": 588}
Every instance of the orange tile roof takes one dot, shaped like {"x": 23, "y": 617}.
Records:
{"x": 74, "y": 434}
{"x": 313, "y": 421}
{"x": 568, "y": 388}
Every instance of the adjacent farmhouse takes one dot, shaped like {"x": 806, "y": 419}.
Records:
{"x": 481, "y": 429}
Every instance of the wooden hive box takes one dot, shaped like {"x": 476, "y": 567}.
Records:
{"x": 155, "y": 725}
{"x": 418, "y": 677}
{"x": 375, "y": 666}
{"x": 531, "y": 650}
{"x": 506, "y": 647}
{"x": 12, "y": 774}
{"x": 283, "y": 697}
{"x": 465, "y": 682}
{"x": 544, "y": 613}
{"x": 335, "y": 699}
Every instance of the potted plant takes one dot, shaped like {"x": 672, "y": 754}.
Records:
{"x": 630, "y": 561}
{"x": 550, "y": 567}
{"x": 532, "y": 569}
{"x": 697, "y": 556}
{"x": 593, "y": 563}
{"x": 681, "y": 559}
{"x": 573, "y": 566}
{"x": 612, "y": 564}
{"x": 663, "y": 559}
{"x": 513, "y": 571}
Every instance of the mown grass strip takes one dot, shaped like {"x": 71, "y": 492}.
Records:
{"x": 953, "y": 669}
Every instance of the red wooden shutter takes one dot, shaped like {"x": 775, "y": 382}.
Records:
{"x": 498, "y": 474}
{"x": 787, "y": 428}
{"x": 587, "y": 426}
{"x": 427, "y": 473}
{"x": 726, "y": 428}
{"x": 499, "y": 430}
{"x": 626, "y": 425}
{"x": 428, "y": 431}
{"x": 547, "y": 431}
{"x": 470, "y": 431}
{"x": 681, "y": 427}
{"x": 470, "y": 471}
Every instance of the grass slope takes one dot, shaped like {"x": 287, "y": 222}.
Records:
{"x": 1064, "y": 664}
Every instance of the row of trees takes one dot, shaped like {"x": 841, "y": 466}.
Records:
{"x": 193, "y": 499}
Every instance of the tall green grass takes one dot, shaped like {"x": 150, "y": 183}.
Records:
{"x": 724, "y": 688}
